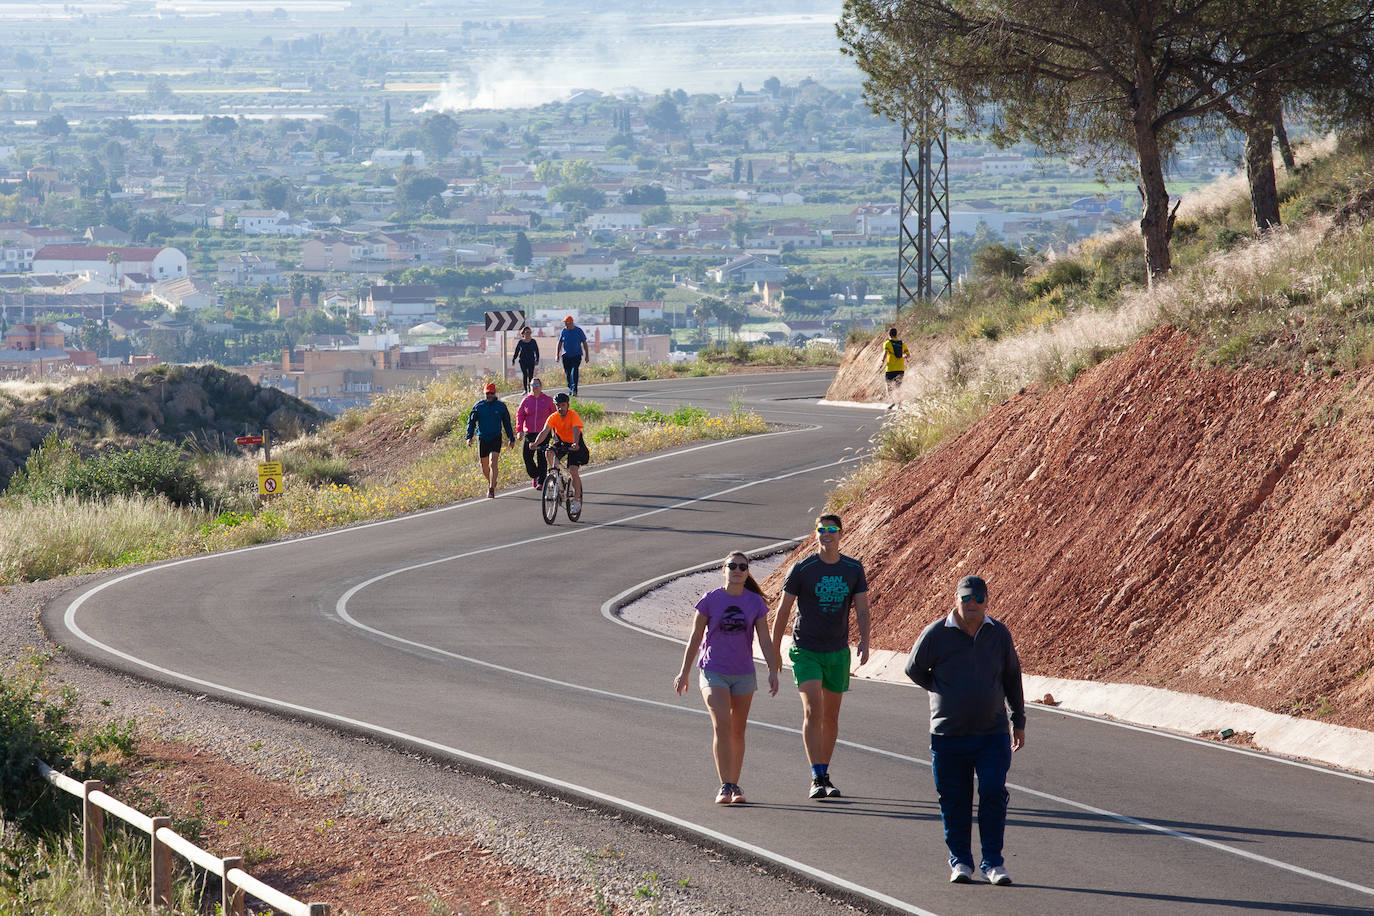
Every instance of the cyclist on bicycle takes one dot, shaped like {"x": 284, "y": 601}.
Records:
{"x": 565, "y": 426}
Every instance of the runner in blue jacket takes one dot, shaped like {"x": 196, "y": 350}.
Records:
{"x": 488, "y": 417}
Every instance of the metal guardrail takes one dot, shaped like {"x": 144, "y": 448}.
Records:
{"x": 235, "y": 883}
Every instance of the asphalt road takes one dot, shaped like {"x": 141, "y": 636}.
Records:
{"x": 477, "y": 632}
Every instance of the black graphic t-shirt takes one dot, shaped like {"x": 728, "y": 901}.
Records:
{"x": 825, "y": 593}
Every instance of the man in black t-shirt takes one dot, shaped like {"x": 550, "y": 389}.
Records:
{"x": 823, "y": 587}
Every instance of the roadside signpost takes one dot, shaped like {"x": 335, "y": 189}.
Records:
{"x": 625, "y": 316}
{"x": 504, "y": 320}
{"x": 269, "y": 478}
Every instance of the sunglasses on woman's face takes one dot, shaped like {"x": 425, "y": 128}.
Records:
{"x": 736, "y": 565}
{"x": 827, "y": 529}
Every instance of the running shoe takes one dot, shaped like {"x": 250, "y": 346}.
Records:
{"x": 817, "y": 787}
{"x": 961, "y": 874}
{"x": 736, "y": 794}
{"x": 534, "y": 484}
{"x": 997, "y": 875}
{"x": 576, "y": 506}
{"x": 491, "y": 492}
{"x": 724, "y": 796}
{"x": 830, "y": 790}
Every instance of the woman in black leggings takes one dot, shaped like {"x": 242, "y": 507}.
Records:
{"x": 527, "y": 355}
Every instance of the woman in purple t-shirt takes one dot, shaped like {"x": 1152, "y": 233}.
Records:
{"x": 727, "y": 622}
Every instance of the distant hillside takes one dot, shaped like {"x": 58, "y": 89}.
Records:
{"x": 203, "y": 404}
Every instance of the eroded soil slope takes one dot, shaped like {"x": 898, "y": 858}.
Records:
{"x": 1154, "y": 522}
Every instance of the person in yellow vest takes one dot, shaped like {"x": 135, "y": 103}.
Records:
{"x": 894, "y": 360}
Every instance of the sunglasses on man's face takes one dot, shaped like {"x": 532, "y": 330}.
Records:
{"x": 965, "y": 599}
{"x": 736, "y": 565}
{"x": 827, "y": 529}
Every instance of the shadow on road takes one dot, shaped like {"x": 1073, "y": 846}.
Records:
{"x": 1261, "y": 906}
{"x": 1086, "y": 821}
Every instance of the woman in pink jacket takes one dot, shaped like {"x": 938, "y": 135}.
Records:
{"x": 530, "y": 416}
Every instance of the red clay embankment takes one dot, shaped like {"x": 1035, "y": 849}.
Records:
{"x": 1154, "y": 522}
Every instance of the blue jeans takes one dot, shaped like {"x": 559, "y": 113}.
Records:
{"x": 955, "y": 759}
{"x": 571, "y": 364}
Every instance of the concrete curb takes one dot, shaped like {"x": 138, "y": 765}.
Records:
{"x": 659, "y": 608}
{"x": 866, "y": 405}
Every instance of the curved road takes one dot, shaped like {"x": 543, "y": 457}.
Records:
{"x": 476, "y": 632}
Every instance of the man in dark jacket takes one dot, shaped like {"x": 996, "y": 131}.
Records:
{"x": 488, "y": 416}
{"x": 968, "y": 663}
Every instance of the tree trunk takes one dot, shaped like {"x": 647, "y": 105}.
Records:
{"x": 1290, "y": 163}
{"x": 1156, "y": 224}
{"x": 1259, "y": 161}
{"x": 1259, "y": 171}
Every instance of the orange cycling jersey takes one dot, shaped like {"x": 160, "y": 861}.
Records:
{"x": 565, "y": 428}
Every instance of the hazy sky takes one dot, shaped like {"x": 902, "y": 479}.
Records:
{"x": 611, "y": 52}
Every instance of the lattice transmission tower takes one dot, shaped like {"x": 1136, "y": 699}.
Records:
{"x": 923, "y": 252}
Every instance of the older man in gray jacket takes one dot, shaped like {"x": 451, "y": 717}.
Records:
{"x": 968, "y": 663}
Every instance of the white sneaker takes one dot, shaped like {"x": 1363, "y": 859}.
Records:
{"x": 961, "y": 874}
{"x": 576, "y": 506}
{"x": 997, "y": 875}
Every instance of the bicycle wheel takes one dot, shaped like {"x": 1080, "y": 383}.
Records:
{"x": 548, "y": 498}
{"x": 572, "y": 516}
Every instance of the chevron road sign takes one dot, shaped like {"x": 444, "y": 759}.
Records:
{"x": 505, "y": 320}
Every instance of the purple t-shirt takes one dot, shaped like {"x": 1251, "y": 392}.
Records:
{"x": 728, "y": 647}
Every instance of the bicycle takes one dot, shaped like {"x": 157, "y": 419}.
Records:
{"x": 557, "y": 485}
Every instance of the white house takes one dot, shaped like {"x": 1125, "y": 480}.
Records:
{"x": 158, "y": 263}
{"x": 184, "y": 294}
{"x": 16, "y": 258}
{"x": 615, "y": 218}
{"x": 403, "y": 306}
{"x": 748, "y": 269}
{"x": 271, "y": 222}
{"x": 395, "y": 157}
{"x": 1006, "y": 165}
{"x": 876, "y": 219}
{"x": 592, "y": 267}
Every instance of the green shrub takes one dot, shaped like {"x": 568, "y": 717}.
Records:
{"x": 36, "y": 724}
{"x": 739, "y": 350}
{"x": 607, "y": 433}
{"x": 996, "y": 260}
{"x": 589, "y": 411}
{"x": 1064, "y": 272}
{"x": 319, "y": 471}
{"x": 686, "y": 415}
{"x": 155, "y": 469}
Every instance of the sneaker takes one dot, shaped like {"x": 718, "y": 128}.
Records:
{"x": 724, "y": 796}
{"x": 534, "y": 484}
{"x": 491, "y": 492}
{"x": 736, "y": 794}
{"x": 997, "y": 875}
{"x": 830, "y": 790}
{"x": 817, "y": 787}
{"x": 576, "y": 506}
{"x": 539, "y": 484}
{"x": 961, "y": 874}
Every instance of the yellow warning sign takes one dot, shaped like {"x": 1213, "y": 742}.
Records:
{"x": 269, "y": 477}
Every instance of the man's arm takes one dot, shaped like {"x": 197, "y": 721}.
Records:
{"x": 586, "y": 351}
{"x": 472, "y": 421}
{"x": 918, "y": 663}
{"x": 1016, "y": 695}
{"x": 861, "y": 618}
{"x": 780, "y": 620}
{"x": 505, "y": 421}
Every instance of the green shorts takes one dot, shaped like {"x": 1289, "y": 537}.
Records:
{"x": 830, "y": 668}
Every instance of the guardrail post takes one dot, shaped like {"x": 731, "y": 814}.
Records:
{"x": 319, "y": 909}
{"x": 230, "y": 895}
{"x": 162, "y": 866}
{"x": 92, "y": 830}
